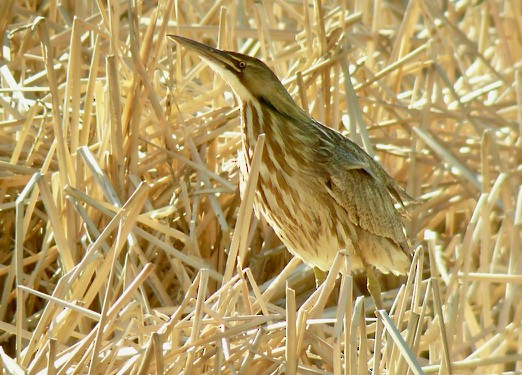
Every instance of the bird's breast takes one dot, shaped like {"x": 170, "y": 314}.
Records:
{"x": 291, "y": 192}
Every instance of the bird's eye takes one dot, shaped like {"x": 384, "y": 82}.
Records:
{"x": 241, "y": 64}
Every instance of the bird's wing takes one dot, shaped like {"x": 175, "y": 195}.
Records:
{"x": 367, "y": 193}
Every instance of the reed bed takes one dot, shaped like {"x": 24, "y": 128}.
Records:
{"x": 126, "y": 249}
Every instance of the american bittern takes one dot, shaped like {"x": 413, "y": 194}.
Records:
{"x": 319, "y": 191}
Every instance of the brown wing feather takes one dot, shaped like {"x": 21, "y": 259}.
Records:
{"x": 368, "y": 203}
{"x": 367, "y": 192}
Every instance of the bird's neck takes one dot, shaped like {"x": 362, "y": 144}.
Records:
{"x": 262, "y": 117}
{"x": 252, "y": 123}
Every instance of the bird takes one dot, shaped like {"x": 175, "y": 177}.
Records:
{"x": 319, "y": 191}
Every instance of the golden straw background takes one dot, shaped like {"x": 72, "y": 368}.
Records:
{"x": 125, "y": 248}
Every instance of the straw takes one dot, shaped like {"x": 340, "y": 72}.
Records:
{"x": 126, "y": 246}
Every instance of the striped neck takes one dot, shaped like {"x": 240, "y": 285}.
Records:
{"x": 282, "y": 133}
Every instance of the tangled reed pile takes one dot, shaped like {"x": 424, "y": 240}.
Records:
{"x": 125, "y": 248}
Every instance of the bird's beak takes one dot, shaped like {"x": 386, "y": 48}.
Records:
{"x": 213, "y": 56}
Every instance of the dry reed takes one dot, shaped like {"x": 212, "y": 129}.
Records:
{"x": 125, "y": 248}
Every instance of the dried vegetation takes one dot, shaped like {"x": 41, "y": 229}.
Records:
{"x": 125, "y": 248}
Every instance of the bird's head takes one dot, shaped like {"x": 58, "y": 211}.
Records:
{"x": 249, "y": 78}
